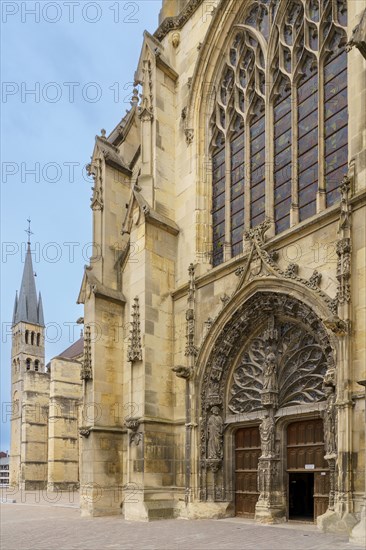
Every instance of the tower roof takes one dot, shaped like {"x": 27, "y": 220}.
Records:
{"x": 27, "y": 307}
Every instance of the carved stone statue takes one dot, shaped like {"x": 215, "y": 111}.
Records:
{"x": 214, "y": 432}
{"x": 330, "y": 422}
{"x": 270, "y": 372}
{"x": 267, "y": 433}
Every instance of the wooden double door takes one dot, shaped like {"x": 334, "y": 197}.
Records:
{"x": 307, "y": 471}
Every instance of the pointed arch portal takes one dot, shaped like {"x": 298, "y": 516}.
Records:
{"x": 271, "y": 371}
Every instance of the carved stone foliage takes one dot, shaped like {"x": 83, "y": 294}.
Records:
{"x": 294, "y": 367}
{"x": 134, "y": 352}
{"x": 262, "y": 263}
{"x": 86, "y": 372}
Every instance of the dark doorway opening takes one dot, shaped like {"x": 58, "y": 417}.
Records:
{"x": 301, "y": 496}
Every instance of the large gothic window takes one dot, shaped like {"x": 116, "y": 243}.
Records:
{"x": 279, "y": 124}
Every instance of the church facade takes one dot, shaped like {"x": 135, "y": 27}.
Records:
{"x": 225, "y": 299}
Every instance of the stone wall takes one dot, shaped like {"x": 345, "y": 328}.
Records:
{"x": 63, "y": 433}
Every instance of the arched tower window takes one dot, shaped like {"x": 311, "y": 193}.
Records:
{"x": 28, "y": 364}
{"x": 38, "y": 339}
{"x": 32, "y": 338}
{"x": 26, "y": 336}
{"x": 279, "y": 147}
{"x": 36, "y": 365}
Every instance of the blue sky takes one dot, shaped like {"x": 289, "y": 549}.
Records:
{"x": 79, "y": 59}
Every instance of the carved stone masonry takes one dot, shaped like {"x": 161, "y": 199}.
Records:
{"x": 344, "y": 270}
{"x": 147, "y": 89}
{"x": 86, "y": 372}
{"x": 182, "y": 372}
{"x": 344, "y": 246}
{"x": 191, "y": 349}
{"x": 215, "y": 426}
{"x": 269, "y": 395}
{"x": 262, "y": 263}
{"x": 358, "y": 38}
{"x": 95, "y": 169}
{"x": 267, "y": 433}
{"x": 134, "y": 352}
{"x": 132, "y": 423}
{"x": 330, "y": 423}
{"x": 330, "y": 435}
{"x": 189, "y": 133}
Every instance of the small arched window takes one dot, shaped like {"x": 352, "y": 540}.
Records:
{"x": 26, "y": 336}
{"x": 36, "y": 365}
{"x": 38, "y": 339}
{"x": 32, "y": 338}
{"x": 28, "y": 364}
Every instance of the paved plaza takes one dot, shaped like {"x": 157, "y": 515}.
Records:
{"x": 31, "y": 525}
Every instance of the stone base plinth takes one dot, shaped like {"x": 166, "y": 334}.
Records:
{"x": 358, "y": 533}
{"x": 33, "y": 485}
{"x": 149, "y": 510}
{"x": 204, "y": 510}
{"x": 98, "y": 501}
{"x": 66, "y": 486}
{"x": 269, "y": 513}
{"x": 331, "y": 522}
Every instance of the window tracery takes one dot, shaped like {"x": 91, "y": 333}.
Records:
{"x": 279, "y": 124}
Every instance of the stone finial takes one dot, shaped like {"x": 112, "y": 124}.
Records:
{"x": 135, "y": 97}
{"x": 134, "y": 352}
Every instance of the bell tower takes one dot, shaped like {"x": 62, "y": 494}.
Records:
{"x": 29, "y": 381}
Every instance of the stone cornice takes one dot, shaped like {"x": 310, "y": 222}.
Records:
{"x": 177, "y": 22}
{"x": 153, "y": 217}
{"x": 111, "y": 155}
{"x": 99, "y": 290}
{"x": 119, "y": 133}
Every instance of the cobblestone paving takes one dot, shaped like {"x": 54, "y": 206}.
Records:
{"x": 26, "y": 526}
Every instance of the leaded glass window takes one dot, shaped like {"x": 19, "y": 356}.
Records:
{"x": 279, "y": 146}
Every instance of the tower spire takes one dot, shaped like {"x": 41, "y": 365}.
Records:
{"x": 28, "y": 307}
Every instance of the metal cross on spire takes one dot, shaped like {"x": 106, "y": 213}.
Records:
{"x": 28, "y": 231}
